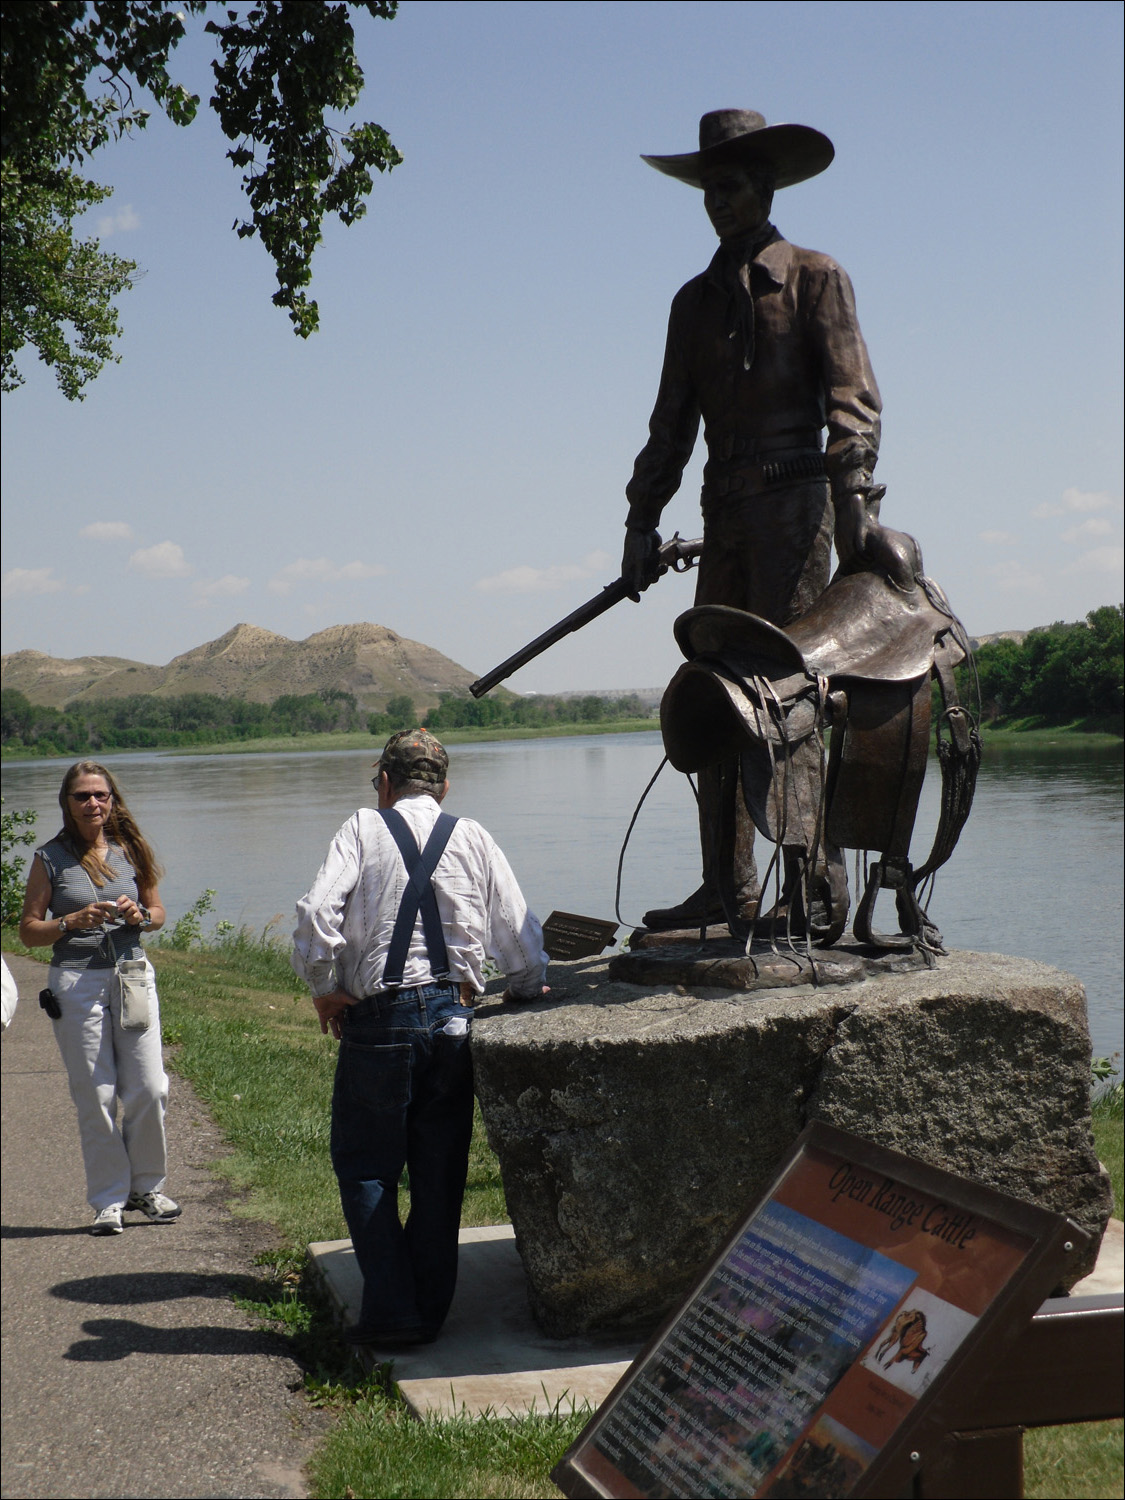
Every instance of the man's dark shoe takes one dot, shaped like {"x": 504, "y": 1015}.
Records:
{"x": 387, "y": 1338}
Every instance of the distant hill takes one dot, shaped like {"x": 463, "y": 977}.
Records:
{"x": 253, "y": 664}
{"x": 1019, "y": 636}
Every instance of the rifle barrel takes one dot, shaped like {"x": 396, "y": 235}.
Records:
{"x": 612, "y": 594}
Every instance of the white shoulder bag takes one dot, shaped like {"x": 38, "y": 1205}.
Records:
{"x": 131, "y": 978}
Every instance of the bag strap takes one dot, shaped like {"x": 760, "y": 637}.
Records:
{"x": 107, "y": 944}
{"x": 418, "y": 896}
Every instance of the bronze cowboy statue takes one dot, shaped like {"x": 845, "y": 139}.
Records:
{"x": 765, "y": 347}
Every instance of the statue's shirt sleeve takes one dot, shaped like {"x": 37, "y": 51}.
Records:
{"x": 672, "y": 428}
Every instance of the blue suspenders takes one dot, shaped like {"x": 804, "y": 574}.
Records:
{"x": 419, "y": 895}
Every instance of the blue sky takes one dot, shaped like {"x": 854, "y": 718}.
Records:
{"x": 447, "y": 456}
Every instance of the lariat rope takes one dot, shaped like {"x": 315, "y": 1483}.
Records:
{"x": 625, "y": 845}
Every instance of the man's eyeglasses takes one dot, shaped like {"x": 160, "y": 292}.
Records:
{"x": 86, "y": 796}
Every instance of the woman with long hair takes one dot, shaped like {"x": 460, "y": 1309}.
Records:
{"x": 91, "y": 892}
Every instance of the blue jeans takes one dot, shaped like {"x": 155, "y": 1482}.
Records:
{"x": 403, "y": 1097}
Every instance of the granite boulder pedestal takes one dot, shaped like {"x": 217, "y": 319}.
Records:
{"x": 636, "y": 1123}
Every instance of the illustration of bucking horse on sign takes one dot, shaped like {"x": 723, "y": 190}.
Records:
{"x": 908, "y": 1331}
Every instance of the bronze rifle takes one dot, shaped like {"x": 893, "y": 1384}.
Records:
{"x": 677, "y": 554}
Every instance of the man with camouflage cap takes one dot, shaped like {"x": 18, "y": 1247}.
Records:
{"x": 392, "y": 939}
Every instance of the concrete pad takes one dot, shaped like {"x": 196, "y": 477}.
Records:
{"x": 1107, "y": 1279}
{"x": 492, "y": 1357}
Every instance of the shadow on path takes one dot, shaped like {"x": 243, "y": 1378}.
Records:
{"x": 37, "y": 1231}
{"x": 127, "y": 1289}
{"x": 116, "y": 1338}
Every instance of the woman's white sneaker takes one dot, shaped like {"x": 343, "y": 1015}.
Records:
{"x": 107, "y": 1221}
{"x": 158, "y": 1208}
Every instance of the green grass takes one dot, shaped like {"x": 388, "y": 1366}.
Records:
{"x": 1035, "y": 734}
{"x": 246, "y": 1036}
{"x": 377, "y": 1448}
{"x": 1082, "y": 1462}
{"x": 1109, "y": 1137}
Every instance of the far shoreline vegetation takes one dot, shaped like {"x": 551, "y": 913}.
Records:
{"x": 1022, "y": 736}
{"x": 1059, "y": 684}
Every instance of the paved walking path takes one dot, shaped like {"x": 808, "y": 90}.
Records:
{"x": 127, "y": 1369}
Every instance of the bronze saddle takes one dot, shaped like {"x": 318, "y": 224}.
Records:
{"x": 755, "y": 700}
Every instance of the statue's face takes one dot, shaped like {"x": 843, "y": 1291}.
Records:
{"x": 734, "y": 204}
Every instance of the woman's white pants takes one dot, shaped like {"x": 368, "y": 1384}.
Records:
{"x": 108, "y": 1067}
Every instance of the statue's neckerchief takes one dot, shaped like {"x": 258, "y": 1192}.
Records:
{"x": 733, "y": 262}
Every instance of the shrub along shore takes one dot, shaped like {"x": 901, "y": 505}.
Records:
{"x": 1102, "y": 734}
{"x": 243, "y": 1032}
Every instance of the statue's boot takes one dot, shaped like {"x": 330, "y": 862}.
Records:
{"x": 704, "y": 907}
{"x": 701, "y": 909}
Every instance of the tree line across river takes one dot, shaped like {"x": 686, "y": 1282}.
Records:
{"x": 147, "y": 722}
{"x": 1056, "y": 675}
{"x": 1059, "y": 674}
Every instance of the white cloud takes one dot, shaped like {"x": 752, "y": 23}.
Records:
{"x": 1084, "y": 500}
{"x": 1095, "y": 526}
{"x": 225, "y": 587}
{"x": 321, "y": 570}
{"x": 124, "y": 219}
{"x": 1076, "y": 500}
{"x": 22, "y": 581}
{"x": 1099, "y": 560}
{"x": 107, "y": 531}
{"x": 164, "y": 560}
{"x": 1014, "y": 575}
{"x": 529, "y": 580}
{"x": 998, "y": 538}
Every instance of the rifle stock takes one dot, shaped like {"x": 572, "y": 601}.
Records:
{"x": 677, "y": 554}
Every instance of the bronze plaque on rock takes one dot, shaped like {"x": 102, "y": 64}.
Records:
{"x": 566, "y": 935}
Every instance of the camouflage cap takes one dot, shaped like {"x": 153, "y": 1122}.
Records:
{"x": 414, "y": 755}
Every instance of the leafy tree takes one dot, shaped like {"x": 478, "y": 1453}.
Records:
{"x": 1058, "y": 673}
{"x": 16, "y": 714}
{"x": 400, "y": 712}
{"x": 284, "y": 67}
{"x": 16, "y": 828}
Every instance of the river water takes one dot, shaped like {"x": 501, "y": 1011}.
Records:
{"x": 1038, "y": 871}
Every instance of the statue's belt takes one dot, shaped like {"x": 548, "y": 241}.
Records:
{"x": 749, "y": 478}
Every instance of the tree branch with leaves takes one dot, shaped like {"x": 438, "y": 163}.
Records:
{"x": 72, "y": 71}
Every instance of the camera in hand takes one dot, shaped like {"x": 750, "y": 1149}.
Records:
{"x": 50, "y": 1004}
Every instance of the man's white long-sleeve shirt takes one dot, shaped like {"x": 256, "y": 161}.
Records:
{"x": 345, "y": 922}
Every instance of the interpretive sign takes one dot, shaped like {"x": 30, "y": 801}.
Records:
{"x": 811, "y": 1358}
{"x": 566, "y": 935}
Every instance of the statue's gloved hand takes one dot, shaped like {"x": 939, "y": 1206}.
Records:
{"x": 893, "y": 552}
{"x": 851, "y": 528}
{"x": 640, "y": 563}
